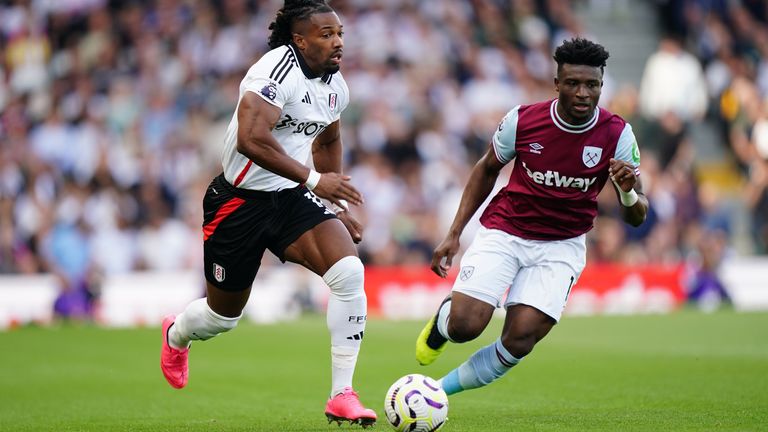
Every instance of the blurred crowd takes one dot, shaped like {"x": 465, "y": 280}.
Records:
{"x": 112, "y": 116}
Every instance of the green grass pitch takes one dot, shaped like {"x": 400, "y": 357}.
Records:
{"x": 686, "y": 371}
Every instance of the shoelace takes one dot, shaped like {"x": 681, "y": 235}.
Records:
{"x": 177, "y": 356}
{"x": 352, "y": 397}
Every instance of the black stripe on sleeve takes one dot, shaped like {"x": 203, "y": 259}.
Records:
{"x": 282, "y": 62}
{"x": 285, "y": 74}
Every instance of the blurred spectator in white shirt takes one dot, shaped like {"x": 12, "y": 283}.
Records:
{"x": 673, "y": 82}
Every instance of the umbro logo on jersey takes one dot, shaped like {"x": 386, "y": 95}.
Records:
{"x": 536, "y": 147}
{"x": 306, "y": 99}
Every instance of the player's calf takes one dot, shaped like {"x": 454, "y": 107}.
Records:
{"x": 197, "y": 322}
{"x": 484, "y": 367}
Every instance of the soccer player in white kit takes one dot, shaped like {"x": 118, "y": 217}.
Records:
{"x": 267, "y": 198}
{"x": 531, "y": 245}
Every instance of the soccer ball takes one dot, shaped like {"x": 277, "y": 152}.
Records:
{"x": 416, "y": 403}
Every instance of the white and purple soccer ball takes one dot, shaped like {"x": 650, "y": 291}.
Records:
{"x": 416, "y": 403}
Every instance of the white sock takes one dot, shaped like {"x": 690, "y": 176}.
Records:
{"x": 346, "y": 336}
{"x": 346, "y": 317}
{"x": 198, "y": 322}
{"x": 442, "y": 319}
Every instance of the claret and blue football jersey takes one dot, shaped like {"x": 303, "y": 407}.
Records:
{"x": 559, "y": 170}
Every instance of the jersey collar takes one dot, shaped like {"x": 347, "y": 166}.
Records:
{"x": 305, "y": 67}
{"x": 565, "y": 126}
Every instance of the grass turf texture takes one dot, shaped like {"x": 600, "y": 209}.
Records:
{"x": 681, "y": 372}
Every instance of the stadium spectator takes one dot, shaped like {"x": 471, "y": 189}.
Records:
{"x": 705, "y": 289}
{"x": 757, "y": 194}
{"x": 532, "y": 246}
{"x": 96, "y": 65}
{"x": 289, "y": 107}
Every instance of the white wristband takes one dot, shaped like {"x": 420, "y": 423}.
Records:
{"x": 628, "y": 199}
{"x": 312, "y": 180}
{"x": 344, "y": 207}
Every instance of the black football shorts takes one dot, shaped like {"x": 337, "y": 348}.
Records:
{"x": 239, "y": 224}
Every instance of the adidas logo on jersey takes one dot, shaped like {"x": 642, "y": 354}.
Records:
{"x": 306, "y": 98}
{"x": 554, "y": 178}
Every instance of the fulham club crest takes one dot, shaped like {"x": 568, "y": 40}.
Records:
{"x": 332, "y": 101}
{"x": 218, "y": 273}
{"x": 591, "y": 156}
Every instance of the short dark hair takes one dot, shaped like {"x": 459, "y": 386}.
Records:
{"x": 292, "y": 11}
{"x": 580, "y": 51}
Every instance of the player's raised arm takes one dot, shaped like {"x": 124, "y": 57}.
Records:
{"x": 256, "y": 118}
{"x": 629, "y": 191}
{"x": 479, "y": 186}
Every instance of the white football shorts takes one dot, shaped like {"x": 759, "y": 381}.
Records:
{"x": 537, "y": 273}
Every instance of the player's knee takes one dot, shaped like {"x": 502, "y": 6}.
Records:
{"x": 460, "y": 330}
{"x": 212, "y": 323}
{"x": 465, "y": 324}
{"x": 519, "y": 345}
{"x": 346, "y": 278}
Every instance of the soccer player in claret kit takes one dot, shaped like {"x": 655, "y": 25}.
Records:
{"x": 267, "y": 198}
{"x": 531, "y": 245}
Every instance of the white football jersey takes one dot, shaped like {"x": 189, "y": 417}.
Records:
{"x": 309, "y": 104}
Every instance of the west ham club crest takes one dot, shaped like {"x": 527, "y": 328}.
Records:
{"x": 466, "y": 272}
{"x": 591, "y": 156}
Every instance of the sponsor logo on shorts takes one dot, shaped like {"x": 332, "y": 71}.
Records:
{"x": 218, "y": 273}
{"x": 466, "y": 272}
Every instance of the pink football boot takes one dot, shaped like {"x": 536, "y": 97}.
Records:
{"x": 173, "y": 362}
{"x": 346, "y": 406}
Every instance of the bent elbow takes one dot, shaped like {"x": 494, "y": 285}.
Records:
{"x": 241, "y": 148}
{"x": 636, "y": 221}
{"x": 247, "y": 149}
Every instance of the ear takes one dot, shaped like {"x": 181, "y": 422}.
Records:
{"x": 557, "y": 84}
{"x": 299, "y": 41}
